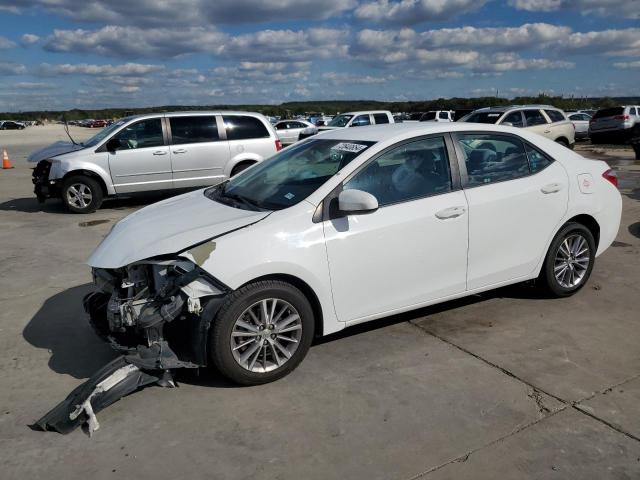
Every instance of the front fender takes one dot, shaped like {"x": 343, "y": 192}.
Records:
{"x": 100, "y": 168}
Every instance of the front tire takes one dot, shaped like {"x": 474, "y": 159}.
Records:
{"x": 262, "y": 332}
{"x": 81, "y": 194}
{"x": 569, "y": 261}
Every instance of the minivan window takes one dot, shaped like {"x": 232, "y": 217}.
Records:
{"x": 195, "y": 129}
{"x": 380, "y": 118}
{"x": 410, "y": 171}
{"x": 288, "y": 177}
{"x": 534, "y": 117}
{"x": 243, "y": 127}
{"x": 609, "y": 112}
{"x": 143, "y": 134}
{"x": 493, "y": 158}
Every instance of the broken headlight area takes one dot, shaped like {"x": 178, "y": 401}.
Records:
{"x": 157, "y": 313}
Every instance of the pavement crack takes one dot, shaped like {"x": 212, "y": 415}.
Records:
{"x": 537, "y": 397}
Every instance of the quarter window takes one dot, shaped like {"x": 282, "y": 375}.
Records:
{"x": 240, "y": 127}
{"x": 196, "y": 129}
{"x": 410, "y": 171}
{"x": 534, "y": 117}
{"x": 142, "y": 134}
{"x": 380, "y": 118}
{"x": 537, "y": 160}
{"x": 492, "y": 158}
{"x": 515, "y": 119}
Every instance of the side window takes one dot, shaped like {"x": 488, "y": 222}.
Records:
{"x": 241, "y": 127}
{"x": 493, "y": 158}
{"x": 413, "y": 170}
{"x": 443, "y": 115}
{"x": 281, "y": 126}
{"x": 196, "y": 129}
{"x": 555, "y": 115}
{"x": 142, "y": 134}
{"x": 296, "y": 125}
{"x": 537, "y": 160}
{"x": 361, "y": 120}
{"x": 534, "y": 117}
{"x": 514, "y": 118}
{"x": 380, "y": 118}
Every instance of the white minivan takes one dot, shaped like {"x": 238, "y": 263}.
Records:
{"x": 161, "y": 151}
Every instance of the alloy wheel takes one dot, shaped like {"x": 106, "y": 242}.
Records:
{"x": 266, "y": 335}
{"x": 572, "y": 261}
{"x": 79, "y": 195}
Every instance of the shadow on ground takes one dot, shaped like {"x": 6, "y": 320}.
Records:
{"x": 61, "y": 327}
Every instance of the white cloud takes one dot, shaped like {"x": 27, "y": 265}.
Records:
{"x": 620, "y": 42}
{"x": 507, "y": 62}
{"x": 623, "y": 8}
{"x": 89, "y": 69}
{"x": 410, "y": 12}
{"x": 626, "y": 65}
{"x": 10, "y": 68}
{"x": 5, "y": 43}
{"x": 29, "y": 39}
{"x": 336, "y": 78}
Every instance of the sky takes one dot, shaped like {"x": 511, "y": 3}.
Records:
{"x": 62, "y": 54}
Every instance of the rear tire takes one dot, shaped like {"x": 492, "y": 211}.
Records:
{"x": 240, "y": 167}
{"x": 563, "y": 142}
{"x": 81, "y": 194}
{"x": 250, "y": 351}
{"x": 569, "y": 261}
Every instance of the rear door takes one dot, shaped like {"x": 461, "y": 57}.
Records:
{"x": 537, "y": 122}
{"x": 142, "y": 162}
{"x": 380, "y": 118}
{"x": 198, "y": 154}
{"x": 517, "y": 198}
{"x": 248, "y": 137}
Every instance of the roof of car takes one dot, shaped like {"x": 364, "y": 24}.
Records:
{"x": 365, "y": 111}
{"x": 512, "y": 107}
{"x": 192, "y": 112}
{"x": 378, "y": 133}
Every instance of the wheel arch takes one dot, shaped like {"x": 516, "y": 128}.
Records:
{"x": 307, "y": 291}
{"x": 589, "y": 222}
{"x": 88, "y": 173}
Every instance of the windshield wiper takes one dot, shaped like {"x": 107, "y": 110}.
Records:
{"x": 245, "y": 201}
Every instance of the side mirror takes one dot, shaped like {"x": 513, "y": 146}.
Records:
{"x": 508, "y": 124}
{"x": 353, "y": 202}
{"x": 113, "y": 144}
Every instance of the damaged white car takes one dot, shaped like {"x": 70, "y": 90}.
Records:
{"x": 343, "y": 228}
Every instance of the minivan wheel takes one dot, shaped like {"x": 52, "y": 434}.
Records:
{"x": 569, "y": 261}
{"x": 81, "y": 194}
{"x": 262, "y": 332}
{"x": 240, "y": 167}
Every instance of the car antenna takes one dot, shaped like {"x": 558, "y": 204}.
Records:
{"x": 66, "y": 129}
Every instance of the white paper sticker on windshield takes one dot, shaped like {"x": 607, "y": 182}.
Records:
{"x": 289, "y": 196}
{"x": 349, "y": 147}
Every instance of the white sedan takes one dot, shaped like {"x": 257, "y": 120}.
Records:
{"x": 347, "y": 227}
{"x": 289, "y": 130}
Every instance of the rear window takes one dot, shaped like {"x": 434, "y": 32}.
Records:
{"x": 484, "y": 117}
{"x": 380, "y": 118}
{"x": 240, "y": 127}
{"x": 609, "y": 112}
{"x": 555, "y": 115}
{"x": 534, "y": 117}
{"x": 196, "y": 129}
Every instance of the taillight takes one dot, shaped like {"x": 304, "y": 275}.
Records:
{"x": 621, "y": 117}
{"x": 611, "y": 176}
{"x": 278, "y": 145}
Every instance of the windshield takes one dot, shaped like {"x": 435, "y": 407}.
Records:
{"x": 98, "y": 137}
{"x": 288, "y": 177}
{"x": 340, "y": 121}
{"x": 483, "y": 117}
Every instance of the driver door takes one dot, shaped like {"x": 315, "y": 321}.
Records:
{"x": 410, "y": 251}
{"x": 142, "y": 162}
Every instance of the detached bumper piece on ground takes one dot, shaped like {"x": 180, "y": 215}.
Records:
{"x": 148, "y": 321}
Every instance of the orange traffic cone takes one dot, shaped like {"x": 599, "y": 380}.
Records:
{"x": 6, "y": 163}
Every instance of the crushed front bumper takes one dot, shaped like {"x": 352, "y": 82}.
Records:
{"x": 43, "y": 186}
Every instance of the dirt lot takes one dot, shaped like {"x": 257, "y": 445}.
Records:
{"x": 502, "y": 385}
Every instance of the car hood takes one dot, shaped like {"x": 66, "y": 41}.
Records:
{"x": 53, "y": 150}
{"x": 169, "y": 227}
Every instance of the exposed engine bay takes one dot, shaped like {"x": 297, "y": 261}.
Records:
{"x": 157, "y": 313}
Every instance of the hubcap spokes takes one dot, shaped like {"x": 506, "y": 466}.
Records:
{"x": 79, "y": 195}
{"x": 266, "y": 335}
{"x": 572, "y": 261}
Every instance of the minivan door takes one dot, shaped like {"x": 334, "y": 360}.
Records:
{"x": 142, "y": 161}
{"x": 198, "y": 153}
{"x": 410, "y": 251}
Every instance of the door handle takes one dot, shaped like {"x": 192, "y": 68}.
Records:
{"x": 180, "y": 150}
{"x": 547, "y": 131}
{"x": 551, "y": 188}
{"x": 160, "y": 152}
{"x": 451, "y": 212}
